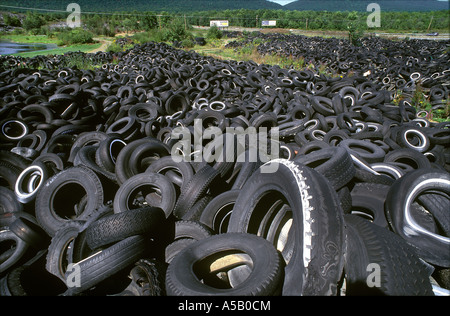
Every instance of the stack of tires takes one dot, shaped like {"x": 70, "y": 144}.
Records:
{"x": 94, "y": 202}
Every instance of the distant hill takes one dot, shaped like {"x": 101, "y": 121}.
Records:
{"x": 146, "y": 5}
{"x": 361, "y": 5}
{"x": 180, "y": 6}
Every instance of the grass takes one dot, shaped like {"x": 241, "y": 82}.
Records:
{"x": 420, "y": 100}
{"x": 216, "y": 48}
{"x": 25, "y": 38}
{"x": 85, "y": 48}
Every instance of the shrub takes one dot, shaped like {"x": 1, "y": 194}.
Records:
{"x": 75, "y": 37}
{"x": 33, "y": 21}
{"x": 11, "y": 20}
{"x": 187, "y": 43}
{"x": 114, "y": 48}
{"x": 214, "y": 33}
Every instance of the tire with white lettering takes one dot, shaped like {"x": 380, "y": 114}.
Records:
{"x": 299, "y": 212}
{"x": 379, "y": 262}
{"x": 197, "y": 270}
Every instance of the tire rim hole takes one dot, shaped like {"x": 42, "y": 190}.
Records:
{"x": 70, "y": 201}
{"x": 224, "y": 269}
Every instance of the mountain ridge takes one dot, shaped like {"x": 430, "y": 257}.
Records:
{"x": 361, "y": 5}
{"x": 179, "y": 6}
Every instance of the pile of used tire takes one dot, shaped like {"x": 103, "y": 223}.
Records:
{"x": 92, "y": 201}
{"x": 395, "y": 65}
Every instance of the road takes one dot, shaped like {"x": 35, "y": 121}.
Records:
{"x": 339, "y": 34}
{"x": 103, "y": 47}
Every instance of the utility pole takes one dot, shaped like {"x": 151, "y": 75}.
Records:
{"x": 159, "y": 20}
{"x": 431, "y": 20}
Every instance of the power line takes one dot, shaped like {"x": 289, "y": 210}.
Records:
{"x": 64, "y": 11}
{"x": 310, "y": 20}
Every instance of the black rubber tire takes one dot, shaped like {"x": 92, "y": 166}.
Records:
{"x": 301, "y": 197}
{"x": 191, "y": 229}
{"x": 218, "y": 211}
{"x": 152, "y": 189}
{"x": 27, "y": 279}
{"x": 180, "y": 173}
{"x": 147, "y": 279}
{"x": 401, "y": 272}
{"x": 86, "y": 157}
{"x": 19, "y": 129}
{"x": 85, "y": 139}
{"x": 365, "y": 150}
{"x": 197, "y": 209}
{"x": 123, "y": 167}
{"x": 323, "y": 105}
{"x": 8, "y": 201}
{"x": 10, "y": 256}
{"x": 419, "y": 141}
{"x": 26, "y": 187}
{"x": 172, "y": 249}
{"x": 334, "y": 163}
{"x": 53, "y": 162}
{"x": 244, "y": 170}
{"x": 432, "y": 247}
{"x": 368, "y": 202}
{"x": 265, "y": 276}
{"x": 9, "y": 171}
{"x": 107, "y": 262}
{"x": 26, "y": 227}
{"x": 186, "y": 232}
{"x": 201, "y": 182}
{"x": 408, "y": 156}
{"x": 65, "y": 190}
{"x": 59, "y": 253}
{"x": 109, "y": 229}
{"x": 107, "y": 152}
{"x": 80, "y": 248}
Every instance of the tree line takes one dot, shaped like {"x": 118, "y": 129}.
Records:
{"x": 108, "y": 24}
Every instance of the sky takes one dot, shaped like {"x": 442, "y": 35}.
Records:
{"x": 284, "y": 2}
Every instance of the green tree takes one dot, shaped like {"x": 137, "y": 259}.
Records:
{"x": 214, "y": 33}
{"x": 33, "y": 21}
{"x": 11, "y": 20}
{"x": 129, "y": 25}
{"x": 177, "y": 31}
